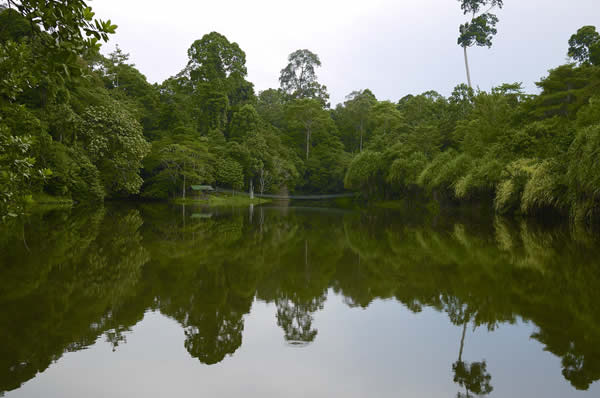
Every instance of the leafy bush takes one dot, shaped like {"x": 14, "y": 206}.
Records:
{"x": 365, "y": 173}
{"x": 584, "y": 174}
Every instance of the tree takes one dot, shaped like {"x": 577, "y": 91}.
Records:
{"x": 295, "y": 318}
{"x": 298, "y": 79}
{"x": 244, "y": 121}
{"x": 16, "y": 172}
{"x": 215, "y": 74}
{"x": 66, "y": 29}
{"x": 473, "y": 377}
{"x": 584, "y": 46}
{"x": 186, "y": 163}
{"x": 365, "y": 173}
{"x": 385, "y": 121}
{"x": 480, "y": 29}
{"x": 325, "y": 170}
{"x": 358, "y": 105}
{"x": 115, "y": 143}
{"x": 214, "y": 58}
{"x": 270, "y": 106}
{"x": 308, "y": 116}
{"x": 230, "y": 173}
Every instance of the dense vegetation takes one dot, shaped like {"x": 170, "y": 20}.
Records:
{"x": 76, "y": 124}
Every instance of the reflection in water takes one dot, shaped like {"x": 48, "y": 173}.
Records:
{"x": 295, "y": 318}
{"x": 473, "y": 377}
{"x": 66, "y": 287}
{"x": 89, "y": 273}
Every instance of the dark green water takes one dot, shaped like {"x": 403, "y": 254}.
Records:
{"x": 154, "y": 301}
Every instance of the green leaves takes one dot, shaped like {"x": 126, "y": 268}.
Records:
{"x": 474, "y": 6}
{"x": 479, "y": 31}
{"x": 16, "y": 172}
{"x": 115, "y": 143}
{"x": 229, "y": 173}
{"x": 213, "y": 58}
{"x": 66, "y": 30}
{"x": 584, "y": 46}
{"x": 365, "y": 172}
{"x": 298, "y": 79}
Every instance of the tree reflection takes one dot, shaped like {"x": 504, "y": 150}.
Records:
{"x": 473, "y": 377}
{"x": 296, "y": 317}
{"x": 72, "y": 283}
{"x": 212, "y": 339}
{"x": 94, "y": 272}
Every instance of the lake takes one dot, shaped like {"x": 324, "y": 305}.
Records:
{"x": 158, "y": 300}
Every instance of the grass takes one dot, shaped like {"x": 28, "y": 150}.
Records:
{"x": 45, "y": 199}
{"x": 217, "y": 200}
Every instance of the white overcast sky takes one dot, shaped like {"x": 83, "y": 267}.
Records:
{"x": 393, "y": 47}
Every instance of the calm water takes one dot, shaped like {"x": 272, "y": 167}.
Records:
{"x": 155, "y": 301}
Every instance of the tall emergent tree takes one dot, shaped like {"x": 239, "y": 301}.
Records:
{"x": 584, "y": 46}
{"x": 480, "y": 29}
{"x": 216, "y": 73}
{"x": 299, "y": 80}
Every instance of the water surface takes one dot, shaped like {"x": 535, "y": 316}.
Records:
{"x": 154, "y": 300}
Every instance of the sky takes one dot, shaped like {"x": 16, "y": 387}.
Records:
{"x": 392, "y": 47}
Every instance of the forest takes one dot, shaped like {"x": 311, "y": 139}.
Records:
{"x": 78, "y": 125}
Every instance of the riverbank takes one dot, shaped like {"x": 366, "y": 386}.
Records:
{"x": 43, "y": 199}
{"x": 218, "y": 200}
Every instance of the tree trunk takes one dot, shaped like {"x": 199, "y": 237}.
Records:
{"x": 361, "y": 136}
{"x": 307, "y": 143}
{"x": 183, "y": 192}
{"x": 467, "y": 67}
{"x": 462, "y": 342}
{"x": 251, "y": 190}
{"x": 183, "y": 219}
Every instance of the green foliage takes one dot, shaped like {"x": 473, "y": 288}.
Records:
{"x": 353, "y": 117}
{"x": 365, "y": 173}
{"x": 305, "y": 118}
{"x": 244, "y": 121}
{"x": 515, "y": 177}
{"x": 73, "y": 174}
{"x": 584, "y": 46}
{"x": 326, "y": 168}
{"x": 584, "y": 174}
{"x": 14, "y": 69}
{"x": 270, "y": 107}
{"x": 114, "y": 142}
{"x": 546, "y": 189}
{"x": 565, "y": 90}
{"x": 16, "y": 169}
{"x": 229, "y": 173}
{"x": 481, "y": 179}
{"x": 480, "y": 31}
{"x": 405, "y": 171}
{"x": 214, "y": 59}
{"x": 299, "y": 79}
{"x": 65, "y": 30}
{"x": 589, "y": 114}
{"x": 205, "y": 124}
